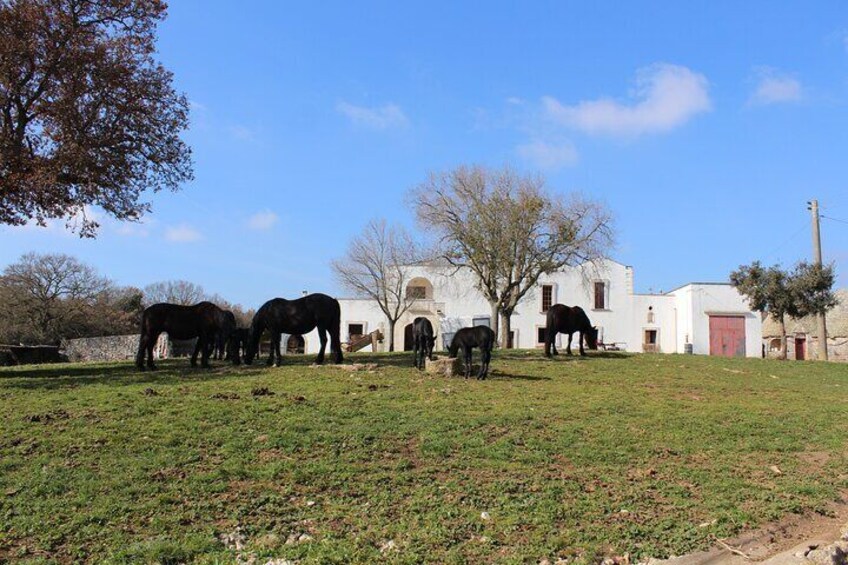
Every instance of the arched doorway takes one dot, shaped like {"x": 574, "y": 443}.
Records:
{"x": 407, "y": 338}
{"x": 296, "y": 345}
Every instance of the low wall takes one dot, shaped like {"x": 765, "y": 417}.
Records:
{"x": 111, "y": 348}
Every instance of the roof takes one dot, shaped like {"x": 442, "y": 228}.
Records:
{"x": 837, "y": 321}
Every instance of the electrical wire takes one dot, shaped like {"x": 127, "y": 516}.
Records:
{"x": 833, "y": 219}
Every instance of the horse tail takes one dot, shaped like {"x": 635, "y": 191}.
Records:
{"x": 550, "y": 332}
{"x": 257, "y": 326}
{"x": 335, "y": 331}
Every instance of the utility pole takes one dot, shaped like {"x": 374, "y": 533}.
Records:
{"x": 817, "y": 259}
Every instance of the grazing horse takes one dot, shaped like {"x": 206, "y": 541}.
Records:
{"x": 203, "y": 321}
{"x": 567, "y": 320}
{"x": 240, "y": 337}
{"x": 423, "y": 340}
{"x": 222, "y": 346}
{"x": 299, "y": 316}
{"x": 469, "y": 338}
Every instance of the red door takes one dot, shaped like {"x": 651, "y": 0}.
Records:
{"x": 727, "y": 336}
{"x": 800, "y": 348}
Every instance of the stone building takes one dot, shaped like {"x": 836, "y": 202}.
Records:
{"x": 802, "y": 339}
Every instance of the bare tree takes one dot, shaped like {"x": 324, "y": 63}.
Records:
{"x": 509, "y": 230}
{"x": 376, "y": 267}
{"x": 48, "y": 297}
{"x": 174, "y": 292}
{"x": 87, "y": 115}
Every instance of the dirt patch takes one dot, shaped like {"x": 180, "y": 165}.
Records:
{"x": 773, "y": 539}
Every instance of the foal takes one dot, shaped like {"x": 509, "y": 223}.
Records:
{"x": 469, "y": 338}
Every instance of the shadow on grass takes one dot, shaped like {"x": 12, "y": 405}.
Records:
{"x": 175, "y": 371}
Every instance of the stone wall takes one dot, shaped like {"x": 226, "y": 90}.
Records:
{"x": 111, "y": 348}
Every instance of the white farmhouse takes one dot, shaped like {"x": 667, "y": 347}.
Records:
{"x": 702, "y": 318}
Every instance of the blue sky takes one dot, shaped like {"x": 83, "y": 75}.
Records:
{"x": 705, "y": 127}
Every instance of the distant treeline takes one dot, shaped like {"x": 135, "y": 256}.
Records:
{"x": 45, "y": 298}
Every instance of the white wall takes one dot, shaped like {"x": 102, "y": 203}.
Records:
{"x": 679, "y": 316}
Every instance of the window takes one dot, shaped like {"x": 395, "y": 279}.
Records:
{"x": 540, "y": 335}
{"x": 482, "y": 322}
{"x": 600, "y": 295}
{"x": 355, "y": 330}
{"x": 651, "y": 337}
{"x": 416, "y": 292}
{"x": 547, "y": 297}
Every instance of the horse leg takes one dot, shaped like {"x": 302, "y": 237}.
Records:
{"x": 466, "y": 351}
{"x": 582, "y": 351}
{"x": 484, "y": 362}
{"x": 568, "y": 347}
{"x": 205, "y": 352}
{"x": 151, "y": 343}
{"x": 322, "y": 337}
{"x": 549, "y": 341}
{"x": 335, "y": 344}
{"x": 198, "y": 344}
{"x": 277, "y": 344}
{"x": 274, "y": 337}
{"x": 142, "y": 350}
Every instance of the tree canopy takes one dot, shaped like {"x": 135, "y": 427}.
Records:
{"x": 88, "y": 117}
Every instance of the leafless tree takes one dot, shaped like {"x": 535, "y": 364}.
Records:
{"x": 48, "y": 297}
{"x": 376, "y": 267}
{"x": 87, "y": 114}
{"x": 509, "y": 230}
{"x": 174, "y": 292}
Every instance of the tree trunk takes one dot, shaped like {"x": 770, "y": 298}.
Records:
{"x": 494, "y": 318}
{"x": 392, "y": 335}
{"x": 506, "y": 322}
{"x": 782, "y": 322}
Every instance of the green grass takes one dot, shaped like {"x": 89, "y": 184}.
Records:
{"x": 579, "y": 458}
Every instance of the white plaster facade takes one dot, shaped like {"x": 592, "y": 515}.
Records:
{"x": 625, "y": 319}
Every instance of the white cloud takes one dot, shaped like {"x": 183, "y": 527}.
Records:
{"x": 548, "y": 155}
{"x": 182, "y": 234}
{"x": 774, "y": 87}
{"x": 134, "y": 229}
{"x": 263, "y": 220}
{"x": 515, "y": 101}
{"x": 379, "y": 118}
{"x": 665, "y": 97}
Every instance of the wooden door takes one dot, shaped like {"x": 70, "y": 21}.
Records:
{"x": 727, "y": 336}
{"x": 800, "y": 348}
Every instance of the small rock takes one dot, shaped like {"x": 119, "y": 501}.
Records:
{"x": 304, "y": 538}
{"x": 712, "y": 522}
{"x": 310, "y": 503}
{"x": 150, "y": 392}
{"x": 279, "y": 561}
{"x": 776, "y": 470}
{"x": 830, "y": 555}
{"x": 388, "y": 546}
{"x": 485, "y": 516}
{"x": 261, "y": 391}
{"x": 261, "y": 438}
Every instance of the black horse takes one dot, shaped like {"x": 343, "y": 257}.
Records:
{"x": 567, "y": 320}
{"x": 423, "y": 340}
{"x": 203, "y": 321}
{"x": 222, "y": 346}
{"x": 240, "y": 340}
{"x": 299, "y": 316}
{"x": 469, "y": 338}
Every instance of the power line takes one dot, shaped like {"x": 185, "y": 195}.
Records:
{"x": 774, "y": 251}
{"x": 834, "y": 219}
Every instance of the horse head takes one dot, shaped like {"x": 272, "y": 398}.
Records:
{"x": 591, "y": 336}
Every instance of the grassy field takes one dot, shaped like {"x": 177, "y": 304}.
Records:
{"x": 649, "y": 455}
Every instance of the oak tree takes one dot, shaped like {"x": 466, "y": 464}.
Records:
{"x": 88, "y": 116}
